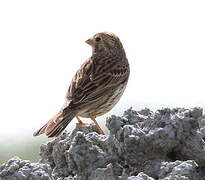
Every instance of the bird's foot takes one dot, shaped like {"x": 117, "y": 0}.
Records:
{"x": 85, "y": 124}
{"x": 101, "y": 131}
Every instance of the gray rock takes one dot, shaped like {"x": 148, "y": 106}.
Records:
{"x": 140, "y": 176}
{"x": 104, "y": 173}
{"x": 17, "y": 169}
{"x": 178, "y": 170}
{"x": 142, "y": 145}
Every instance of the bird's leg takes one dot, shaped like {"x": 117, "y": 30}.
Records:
{"x": 81, "y": 122}
{"x": 96, "y": 123}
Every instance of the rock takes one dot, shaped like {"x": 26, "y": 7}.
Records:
{"x": 140, "y": 176}
{"x": 178, "y": 170}
{"x": 17, "y": 169}
{"x": 142, "y": 145}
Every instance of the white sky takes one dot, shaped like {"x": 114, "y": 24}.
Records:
{"x": 42, "y": 46}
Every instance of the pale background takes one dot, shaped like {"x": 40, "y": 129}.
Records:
{"x": 42, "y": 46}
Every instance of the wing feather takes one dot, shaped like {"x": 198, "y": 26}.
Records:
{"x": 90, "y": 82}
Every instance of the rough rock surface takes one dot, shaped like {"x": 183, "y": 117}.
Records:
{"x": 142, "y": 145}
{"x": 19, "y": 169}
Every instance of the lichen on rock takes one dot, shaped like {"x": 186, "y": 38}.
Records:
{"x": 166, "y": 144}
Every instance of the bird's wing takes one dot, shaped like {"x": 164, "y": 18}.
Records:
{"x": 93, "y": 79}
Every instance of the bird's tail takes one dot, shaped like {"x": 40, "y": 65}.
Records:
{"x": 57, "y": 124}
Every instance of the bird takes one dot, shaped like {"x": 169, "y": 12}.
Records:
{"x": 95, "y": 88}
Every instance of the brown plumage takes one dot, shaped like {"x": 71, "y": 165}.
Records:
{"x": 96, "y": 87}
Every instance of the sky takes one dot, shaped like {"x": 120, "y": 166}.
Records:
{"x": 42, "y": 44}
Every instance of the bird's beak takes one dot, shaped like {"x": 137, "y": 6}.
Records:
{"x": 89, "y": 41}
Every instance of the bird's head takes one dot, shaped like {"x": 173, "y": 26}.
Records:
{"x": 105, "y": 41}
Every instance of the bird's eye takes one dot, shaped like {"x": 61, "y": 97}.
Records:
{"x": 97, "y": 39}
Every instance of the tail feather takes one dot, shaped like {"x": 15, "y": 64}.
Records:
{"x": 58, "y": 128}
{"x": 40, "y": 131}
{"x": 57, "y": 124}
